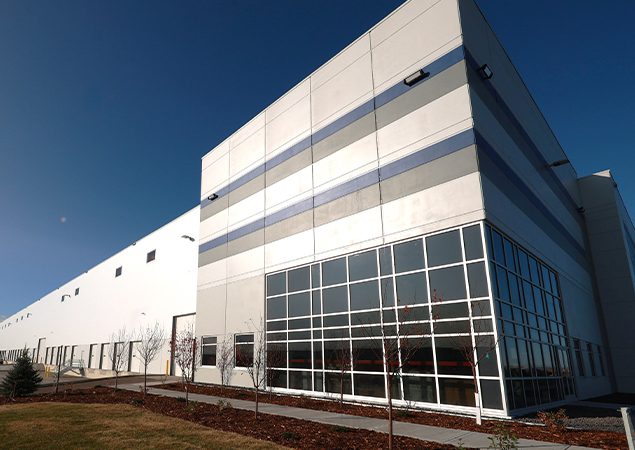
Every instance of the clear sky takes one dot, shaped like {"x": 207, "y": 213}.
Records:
{"x": 107, "y": 107}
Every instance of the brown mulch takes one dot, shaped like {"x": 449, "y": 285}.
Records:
{"x": 285, "y": 431}
{"x": 587, "y": 438}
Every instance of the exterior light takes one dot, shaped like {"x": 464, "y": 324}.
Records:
{"x": 580, "y": 209}
{"x": 485, "y": 72}
{"x": 185, "y": 236}
{"x": 560, "y": 162}
{"x": 212, "y": 197}
{"x": 65, "y": 295}
{"x": 416, "y": 77}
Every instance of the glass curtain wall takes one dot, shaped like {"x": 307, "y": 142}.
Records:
{"x": 325, "y": 322}
{"x": 533, "y": 345}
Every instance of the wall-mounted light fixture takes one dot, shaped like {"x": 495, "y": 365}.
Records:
{"x": 560, "y": 162}
{"x": 485, "y": 72}
{"x": 185, "y": 236}
{"x": 212, "y": 197}
{"x": 416, "y": 77}
{"x": 64, "y": 296}
{"x": 580, "y": 209}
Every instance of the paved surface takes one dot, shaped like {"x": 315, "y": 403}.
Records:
{"x": 423, "y": 432}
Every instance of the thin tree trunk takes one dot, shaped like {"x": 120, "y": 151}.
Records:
{"x": 477, "y": 399}
{"x": 256, "y": 403}
{"x": 145, "y": 379}
{"x": 389, "y": 412}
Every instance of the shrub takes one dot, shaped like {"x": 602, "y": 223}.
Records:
{"x": 555, "y": 421}
{"x": 341, "y": 429}
{"x": 136, "y": 401}
{"x": 222, "y": 404}
{"x": 503, "y": 439}
{"x": 22, "y": 379}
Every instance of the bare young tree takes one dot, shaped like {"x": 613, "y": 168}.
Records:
{"x": 151, "y": 340}
{"x": 276, "y": 359}
{"x": 119, "y": 352}
{"x": 395, "y": 343}
{"x": 256, "y": 365}
{"x": 474, "y": 348}
{"x": 341, "y": 358}
{"x": 185, "y": 351}
{"x": 225, "y": 359}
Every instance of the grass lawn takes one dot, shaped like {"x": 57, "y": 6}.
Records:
{"x": 74, "y": 425}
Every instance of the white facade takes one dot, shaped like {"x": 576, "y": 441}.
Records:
{"x": 80, "y": 316}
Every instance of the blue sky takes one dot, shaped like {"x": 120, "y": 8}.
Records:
{"x": 107, "y": 107}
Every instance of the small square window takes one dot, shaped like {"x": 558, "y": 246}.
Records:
{"x": 151, "y": 256}
{"x": 76, "y": 291}
{"x": 118, "y": 271}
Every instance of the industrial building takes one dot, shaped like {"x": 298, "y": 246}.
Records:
{"x": 409, "y": 183}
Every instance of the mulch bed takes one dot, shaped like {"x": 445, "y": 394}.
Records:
{"x": 587, "y": 438}
{"x": 281, "y": 430}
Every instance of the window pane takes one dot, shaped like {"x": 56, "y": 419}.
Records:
{"x": 369, "y": 385}
{"x": 419, "y": 389}
{"x": 414, "y": 314}
{"x": 472, "y": 242}
{"x": 364, "y": 295}
{"x": 452, "y": 327}
{"x": 491, "y": 394}
{"x": 209, "y": 355}
{"x": 300, "y": 380}
{"x": 299, "y": 279}
{"x": 298, "y": 324}
{"x": 418, "y": 352}
{"x": 450, "y": 311}
{"x": 335, "y": 321}
{"x": 299, "y": 304}
{"x": 409, "y": 256}
{"x": 486, "y": 354}
{"x": 387, "y": 294}
{"x": 316, "y": 302}
{"x": 337, "y": 355}
{"x": 335, "y": 299}
{"x": 317, "y": 355}
{"x": 365, "y": 318}
{"x": 334, "y": 272}
{"x": 447, "y": 284}
{"x": 385, "y": 260}
{"x": 450, "y": 360}
{"x": 497, "y": 244}
{"x": 315, "y": 275}
{"x": 332, "y": 382}
{"x": 277, "y": 355}
{"x": 368, "y": 355}
{"x": 477, "y": 279}
{"x": 277, "y": 325}
{"x": 300, "y": 355}
{"x": 278, "y": 378}
{"x": 444, "y": 248}
{"x": 362, "y": 266}
{"x": 318, "y": 382}
{"x": 277, "y": 307}
{"x": 411, "y": 289}
{"x": 456, "y": 391}
{"x": 277, "y": 284}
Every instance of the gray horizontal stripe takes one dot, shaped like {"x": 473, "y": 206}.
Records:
{"x": 400, "y": 88}
{"x": 212, "y": 255}
{"x": 246, "y": 190}
{"x": 347, "y": 205}
{"x": 214, "y": 208}
{"x": 344, "y": 137}
{"x": 289, "y": 167}
{"x": 423, "y": 156}
{"x": 247, "y": 242}
{"x": 288, "y": 227}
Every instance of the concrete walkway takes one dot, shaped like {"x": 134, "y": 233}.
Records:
{"x": 423, "y": 432}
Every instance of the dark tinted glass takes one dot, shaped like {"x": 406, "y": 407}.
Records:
{"x": 334, "y": 272}
{"x": 367, "y": 355}
{"x": 450, "y": 360}
{"x": 298, "y": 324}
{"x": 419, "y": 389}
{"x": 387, "y": 294}
{"x": 300, "y": 355}
{"x": 491, "y": 394}
{"x": 456, "y": 391}
{"x": 316, "y": 302}
{"x": 338, "y": 320}
{"x": 300, "y": 380}
{"x": 277, "y": 307}
{"x": 277, "y": 325}
{"x": 318, "y": 382}
{"x": 452, "y": 327}
{"x": 364, "y": 295}
{"x": 336, "y": 355}
{"x": 332, "y": 383}
{"x": 365, "y": 318}
{"x": 472, "y": 242}
{"x": 317, "y": 355}
{"x": 277, "y": 284}
{"x": 277, "y": 355}
{"x": 369, "y": 385}
{"x": 335, "y": 299}
{"x": 422, "y": 358}
{"x": 409, "y": 256}
{"x": 362, "y": 266}
{"x": 447, "y": 284}
{"x": 450, "y": 311}
{"x": 385, "y": 260}
{"x": 411, "y": 289}
{"x": 444, "y": 248}
{"x": 497, "y": 244}
{"x": 278, "y": 378}
{"x": 299, "y": 279}
{"x": 299, "y": 304}
{"x": 486, "y": 351}
{"x": 315, "y": 275}
{"x": 477, "y": 279}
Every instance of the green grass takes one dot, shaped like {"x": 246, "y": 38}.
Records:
{"x": 88, "y": 426}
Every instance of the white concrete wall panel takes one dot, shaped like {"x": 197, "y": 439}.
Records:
{"x": 289, "y": 190}
{"x": 215, "y": 225}
{"x": 216, "y": 174}
{"x": 247, "y": 154}
{"x": 431, "y": 123}
{"x": 288, "y": 120}
{"x": 403, "y": 42}
{"x": 290, "y": 251}
{"x": 344, "y": 234}
{"x": 246, "y": 210}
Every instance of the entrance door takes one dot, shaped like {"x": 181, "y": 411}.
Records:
{"x": 92, "y": 357}
{"x": 179, "y": 323}
{"x": 104, "y": 361}
{"x": 134, "y": 361}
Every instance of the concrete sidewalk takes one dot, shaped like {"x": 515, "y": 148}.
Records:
{"x": 423, "y": 432}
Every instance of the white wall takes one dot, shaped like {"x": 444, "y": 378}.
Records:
{"x": 143, "y": 294}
